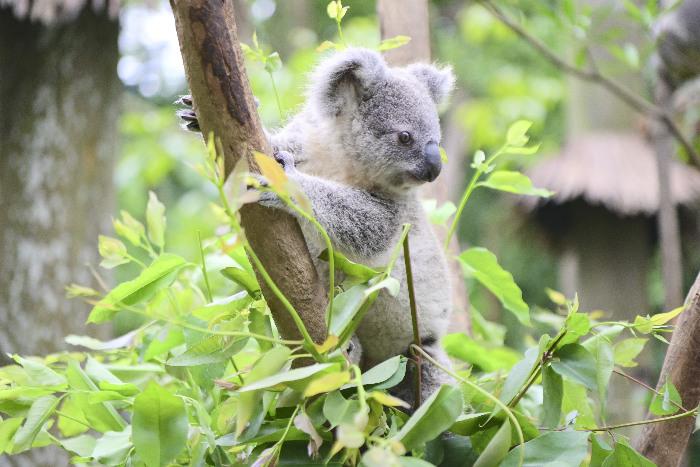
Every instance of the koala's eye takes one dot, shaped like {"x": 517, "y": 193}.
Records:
{"x": 405, "y": 137}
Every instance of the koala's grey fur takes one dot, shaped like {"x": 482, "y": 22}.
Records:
{"x": 342, "y": 149}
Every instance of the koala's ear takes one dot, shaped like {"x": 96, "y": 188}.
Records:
{"x": 438, "y": 80}
{"x": 345, "y": 78}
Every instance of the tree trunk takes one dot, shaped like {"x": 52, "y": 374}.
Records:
{"x": 221, "y": 93}
{"x": 667, "y": 219}
{"x": 665, "y": 443}
{"x": 410, "y": 18}
{"x": 59, "y": 95}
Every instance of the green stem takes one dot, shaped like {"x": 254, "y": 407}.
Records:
{"x": 331, "y": 255}
{"x": 204, "y": 268}
{"x": 468, "y": 192}
{"x": 361, "y": 395}
{"x": 340, "y": 32}
{"x": 277, "y": 96}
{"x": 688, "y": 413}
{"x": 488, "y": 395}
{"x": 309, "y": 343}
{"x": 417, "y": 396}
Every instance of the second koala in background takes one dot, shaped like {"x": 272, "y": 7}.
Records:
{"x": 366, "y": 139}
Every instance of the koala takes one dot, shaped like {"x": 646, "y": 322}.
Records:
{"x": 366, "y": 139}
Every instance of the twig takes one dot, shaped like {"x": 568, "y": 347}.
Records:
{"x": 204, "y": 268}
{"x": 417, "y": 396}
{"x": 645, "y": 386}
{"x": 687, "y": 413}
{"x": 630, "y": 98}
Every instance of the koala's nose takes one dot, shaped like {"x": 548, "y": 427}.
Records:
{"x": 433, "y": 161}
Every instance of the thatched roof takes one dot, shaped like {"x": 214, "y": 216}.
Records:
{"x": 615, "y": 170}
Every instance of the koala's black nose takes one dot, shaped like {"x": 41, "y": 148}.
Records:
{"x": 433, "y": 161}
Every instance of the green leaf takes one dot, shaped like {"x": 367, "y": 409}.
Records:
{"x": 8, "y": 428}
{"x": 326, "y": 383}
{"x": 497, "y": 449}
{"x": 646, "y": 324}
{"x": 624, "y": 455}
{"x": 468, "y": 424}
{"x": 439, "y": 215}
{"x": 129, "y": 228}
{"x": 112, "y": 251}
{"x": 517, "y": 133}
{"x": 160, "y": 274}
{"x": 339, "y": 410}
{"x": 243, "y": 278}
{"x": 82, "y": 445}
{"x": 273, "y": 62}
{"x": 394, "y": 43}
{"x": 155, "y": 220}
{"x": 667, "y": 402}
{"x": 605, "y": 362}
{"x": 627, "y": 350}
{"x": 212, "y": 349}
{"x": 38, "y": 374}
{"x": 285, "y": 377}
{"x": 270, "y": 363}
{"x": 342, "y": 263}
{"x": 518, "y": 376}
{"x": 577, "y": 364}
{"x": 101, "y": 416}
{"x": 553, "y": 393}
{"x": 38, "y": 415}
{"x": 433, "y": 417}
{"x": 599, "y": 451}
{"x": 112, "y": 447}
{"x": 487, "y": 357}
{"x": 159, "y": 425}
{"x": 346, "y": 305}
{"x": 576, "y": 399}
{"x": 379, "y": 373}
{"x": 483, "y": 266}
{"x": 553, "y": 449}
{"x": 514, "y": 182}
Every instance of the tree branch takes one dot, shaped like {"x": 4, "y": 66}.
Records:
{"x": 630, "y": 98}
{"x": 221, "y": 93}
{"x": 665, "y": 443}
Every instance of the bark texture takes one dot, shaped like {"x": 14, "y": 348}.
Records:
{"x": 411, "y": 18}
{"x": 59, "y": 95}
{"x": 665, "y": 443}
{"x": 224, "y": 102}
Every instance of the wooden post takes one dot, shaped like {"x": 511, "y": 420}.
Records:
{"x": 665, "y": 443}
{"x": 221, "y": 93}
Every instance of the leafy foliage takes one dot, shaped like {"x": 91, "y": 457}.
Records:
{"x": 207, "y": 380}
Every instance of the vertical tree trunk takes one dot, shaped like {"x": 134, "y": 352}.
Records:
{"x": 665, "y": 443}
{"x": 59, "y": 95}
{"x": 667, "y": 219}
{"x": 221, "y": 92}
{"x": 411, "y": 18}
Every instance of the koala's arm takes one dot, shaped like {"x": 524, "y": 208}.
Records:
{"x": 357, "y": 221}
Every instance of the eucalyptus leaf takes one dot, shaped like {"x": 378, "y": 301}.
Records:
{"x": 576, "y": 363}
{"x": 481, "y": 264}
{"x": 553, "y": 449}
{"x": 159, "y": 426}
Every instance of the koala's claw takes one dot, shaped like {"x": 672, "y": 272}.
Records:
{"x": 285, "y": 159}
{"x": 187, "y": 115}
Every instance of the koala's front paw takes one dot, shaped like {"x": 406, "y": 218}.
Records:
{"x": 187, "y": 114}
{"x": 286, "y": 160}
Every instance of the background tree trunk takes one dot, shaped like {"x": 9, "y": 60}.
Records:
{"x": 411, "y": 18}
{"x": 665, "y": 443}
{"x": 59, "y": 95}
{"x": 221, "y": 92}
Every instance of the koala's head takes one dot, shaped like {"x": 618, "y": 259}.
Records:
{"x": 385, "y": 118}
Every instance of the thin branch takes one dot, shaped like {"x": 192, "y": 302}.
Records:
{"x": 687, "y": 413}
{"x": 645, "y": 386}
{"x": 630, "y": 98}
{"x": 417, "y": 396}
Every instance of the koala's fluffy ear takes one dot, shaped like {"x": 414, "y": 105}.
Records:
{"x": 438, "y": 80}
{"x": 345, "y": 78}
